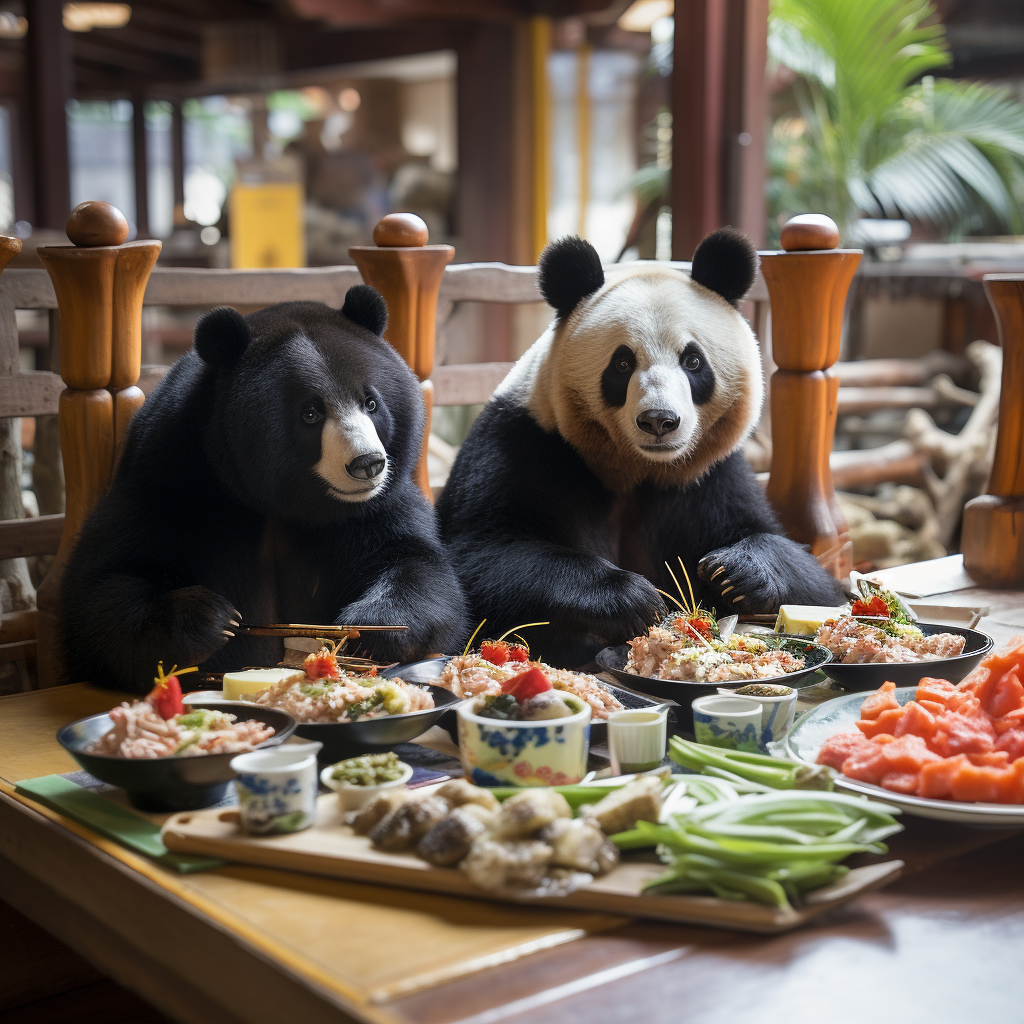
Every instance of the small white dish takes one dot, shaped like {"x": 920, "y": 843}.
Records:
{"x": 353, "y": 797}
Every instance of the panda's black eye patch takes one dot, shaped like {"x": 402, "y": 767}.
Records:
{"x": 615, "y": 379}
{"x": 312, "y": 414}
{"x": 699, "y": 372}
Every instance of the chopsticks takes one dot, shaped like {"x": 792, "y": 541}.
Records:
{"x": 317, "y": 632}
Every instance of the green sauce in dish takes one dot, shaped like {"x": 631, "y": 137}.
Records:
{"x": 369, "y": 770}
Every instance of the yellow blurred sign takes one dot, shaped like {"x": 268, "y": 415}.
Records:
{"x": 266, "y": 225}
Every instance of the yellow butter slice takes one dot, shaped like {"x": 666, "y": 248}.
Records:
{"x": 804, "y": 619}
{"x": 253, "y": 680}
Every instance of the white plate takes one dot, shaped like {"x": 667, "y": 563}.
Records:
{"x": 806, "y": 737}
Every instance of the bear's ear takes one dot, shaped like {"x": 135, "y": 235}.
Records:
{"x": 726, "y": 262}
{"x": 569, "y": 270}
{"x": 222, "y": 335}
{"x": 365, "y": 306}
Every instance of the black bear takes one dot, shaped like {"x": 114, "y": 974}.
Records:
{"x": 613, "y": 447}
{"x": 268, "y": 476}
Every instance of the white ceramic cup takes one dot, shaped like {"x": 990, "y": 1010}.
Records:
{"x": 777, "y": 714}
{"x": 733, "y": 722}
{"x": 277, "y": 788}
{"x": 637, "y": 739}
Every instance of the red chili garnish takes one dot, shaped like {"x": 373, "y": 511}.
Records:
{"x": 494, "y": 651}
{"x": 165, "y": 697}
{"x": 527, "y": 684}
{"x": 876, "y": 606}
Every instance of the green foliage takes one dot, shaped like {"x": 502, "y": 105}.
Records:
{"x": 875, "y": 138}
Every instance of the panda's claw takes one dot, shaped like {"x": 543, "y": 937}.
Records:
{"x": 721, "y": 568}
{"x": 727, "y": 589}
{"x": 738, "y": 598}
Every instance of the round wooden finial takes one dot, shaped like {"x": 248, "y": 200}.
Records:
{"x": 94, "y": 223}
{"x": 404, "y": 230}
{"x": 809, "y": 231}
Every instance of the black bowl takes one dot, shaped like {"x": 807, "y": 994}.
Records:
{"x": 871, "y": 676}
{"x": 370, "y": 735}
{"x": 168, "y": 783}
{"x": 613, "y": 660}
{"x": 425, "y": 671}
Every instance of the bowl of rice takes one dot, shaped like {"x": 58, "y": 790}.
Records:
{"x": 179, "y": 764}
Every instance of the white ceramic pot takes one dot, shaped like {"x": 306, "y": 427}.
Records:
{"x": 733, "y": 722}
{"x": 548, "y": 752}
{"x": 277, "y": 788}
{"x": 777, "y": 714}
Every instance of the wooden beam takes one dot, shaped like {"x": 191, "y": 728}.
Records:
{"x": 697, "y": 113}
{"x": 178, "y": 158}
{"x": 39, "y": 535}
{"x": 49, "y": 53}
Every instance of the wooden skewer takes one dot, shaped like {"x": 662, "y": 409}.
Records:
{"x": 317, "y": 632}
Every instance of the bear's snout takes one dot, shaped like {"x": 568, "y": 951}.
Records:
{"x": 657, "y": 422}
{"x": 366, "y": 467}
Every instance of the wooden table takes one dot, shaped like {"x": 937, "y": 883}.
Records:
{"x": 243, "y": 944}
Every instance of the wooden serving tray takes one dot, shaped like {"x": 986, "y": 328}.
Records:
{"x": 331, "y": 848}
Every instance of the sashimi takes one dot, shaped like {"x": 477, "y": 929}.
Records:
{"x": 881, "y": 700}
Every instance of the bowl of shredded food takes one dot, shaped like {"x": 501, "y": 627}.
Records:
{"x": 168, "y": 758}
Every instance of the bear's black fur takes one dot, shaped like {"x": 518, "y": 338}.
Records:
{"x": 535, "y": 536}
{"x": 215, "y": 511}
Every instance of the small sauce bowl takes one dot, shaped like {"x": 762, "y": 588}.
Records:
{"x": 352, "y": 797}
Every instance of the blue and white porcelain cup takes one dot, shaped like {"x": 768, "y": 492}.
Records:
{"x": 777, "y": 711}
{"x": 733, "y": 722}
{"x": 277, "y": 789}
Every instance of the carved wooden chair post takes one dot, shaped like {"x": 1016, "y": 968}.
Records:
{"x": 99, "y": 282}
{"x": 993, "y": 529}
{"x": 807, "y": 286}
{"x": 408, "y": 272}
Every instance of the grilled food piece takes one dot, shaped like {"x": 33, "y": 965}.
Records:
{"x": 620, "y": 811}
{"x": 579, "y": 844}
{"x": 507, "y": 864}
{"x": 450, "y": 839}
{"x": 378, "y": 808}
{"x": 459, "y": 792}
{"x": 521, "y": 815}
{"x": 403, "y": 827}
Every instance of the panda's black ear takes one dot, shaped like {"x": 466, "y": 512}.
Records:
{"x": 569, "y": 270}
{"x": 365, "y": 306}
{"x": 222, "y": 335}
{"x": 726, "y": 262}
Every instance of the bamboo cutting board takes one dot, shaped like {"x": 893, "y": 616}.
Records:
{"x": 330, "y": 848}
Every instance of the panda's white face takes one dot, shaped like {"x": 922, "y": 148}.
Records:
{"x": 650, "y": 371}
{"x": 353, "y": 462}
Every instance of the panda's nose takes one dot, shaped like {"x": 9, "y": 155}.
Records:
{"x": 657, "y": 422}
{"x": 366, "y": 467}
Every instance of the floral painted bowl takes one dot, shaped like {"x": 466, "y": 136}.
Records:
{"x": 549, "y": 752}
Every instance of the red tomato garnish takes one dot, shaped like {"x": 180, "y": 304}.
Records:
{"x": 526, "y": 685}
{"x": 322, "y": 665}
{"x": 165, "y": 699}
{"x": 517, "y": 652}
{"x": 876, "y": 606}
{"x": 494, "y": 651}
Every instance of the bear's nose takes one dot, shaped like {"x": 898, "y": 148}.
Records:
{"x": 366, "y": 467}
{"x": 658, "y": 422}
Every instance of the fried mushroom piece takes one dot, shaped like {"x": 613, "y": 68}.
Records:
{"x": 516, "y": 864}
{"x": 523, "y": 814}
{"x": 377, "y": 809}
{"x": 459, "y": 792}
{"x": 408, "y": 823}
{"x": 620, "y": 811}
{"x": 450, "y": 839}
{"x": 579, "y": 844}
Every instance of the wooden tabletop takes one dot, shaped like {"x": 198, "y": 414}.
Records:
{"x": 245, "y": 944}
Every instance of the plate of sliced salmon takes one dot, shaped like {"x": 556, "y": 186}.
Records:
{"x": 937, "y": 750}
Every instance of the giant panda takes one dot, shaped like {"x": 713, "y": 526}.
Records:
{"x": 267, "y": 478}
{"x": 612, "y": 448}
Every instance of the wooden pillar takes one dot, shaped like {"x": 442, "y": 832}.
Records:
{"x": 49, "y": 64}
{"x": 141, "y": 166}
{"x": 698, "y": 88}
{"x": 807, "y": 286}
{"x": 178, "y": 162}
{"x": 993, "y": 530}
{"x": 99, "y": 283}
{"x": 407, "y": 272}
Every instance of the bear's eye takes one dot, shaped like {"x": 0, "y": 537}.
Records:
{"x": 371, "y": 405}
{"x": 622, "y": 365}
{"x": 311, "y": 414}
{"x": 692, "y": 362}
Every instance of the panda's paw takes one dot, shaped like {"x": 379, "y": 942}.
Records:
{"x": 741, "y": 584}
{"x": 631, "y": 606}
{"x": 199, "y": 621}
